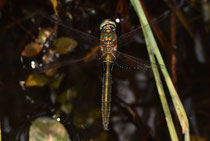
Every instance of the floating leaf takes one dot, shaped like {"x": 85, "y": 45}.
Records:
{"x": 46, "y": 129}
{"x": 36, "y": 80}
{"x": 64, "y": 45}
{"x": 32, "y": 49}
{"x": 44, "y": 34}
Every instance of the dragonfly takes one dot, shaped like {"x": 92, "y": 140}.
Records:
{"x": 108, "y": 48}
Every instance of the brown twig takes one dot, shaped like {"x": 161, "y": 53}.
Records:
{"x": 20, "y": 25}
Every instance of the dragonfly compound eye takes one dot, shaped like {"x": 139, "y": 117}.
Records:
{"x": 108, "y": 22}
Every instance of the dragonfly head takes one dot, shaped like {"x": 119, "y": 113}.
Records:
{"x": 108, "y": 25}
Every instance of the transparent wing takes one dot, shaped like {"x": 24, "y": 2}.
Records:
{"x": 131, "y": 36}
{"x": 94, "y": 54}
{"x": 79, "y": 36}
{"x": 71, "y": 32}
{"x": 59, "y": 64}
{"x": 126, "y": 61}
{"x": 71, "y": 61}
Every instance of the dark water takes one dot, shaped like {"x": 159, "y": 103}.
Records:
{"x": 136, "y": 109}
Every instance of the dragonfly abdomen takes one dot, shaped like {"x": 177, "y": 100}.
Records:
{"x": 106, "y": 93}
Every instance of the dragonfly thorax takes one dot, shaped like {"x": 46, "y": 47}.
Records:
{"x": 108, "y": 43}
{"x": 108, "y": 38}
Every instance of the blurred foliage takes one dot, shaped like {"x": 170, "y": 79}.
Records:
{"x": 36, "y": 80}
{"x": 44, "y": 34}
{"x": 41, "y": 80}
{"x": 46, "y": 129}
{"x": 34, "y": 48}
{"x": 64, "y": 98}
{"x": 55, "y": 4}
{"x": 65, "y": 45}
{"x": 195, "y": 138}
{"x": 56, "y": 81}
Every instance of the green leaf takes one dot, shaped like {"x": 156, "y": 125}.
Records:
{"x": 32, "y": 49}
{"x": 64, "y": 45}
{"x": 44, "y": 34}
{"x": 37, "y": 80}
{"x": 46, "y": 129}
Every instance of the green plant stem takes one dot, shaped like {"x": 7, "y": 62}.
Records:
{"x": 153, "y": 50}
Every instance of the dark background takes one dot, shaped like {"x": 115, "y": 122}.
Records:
{"x": 136, "y": 109}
